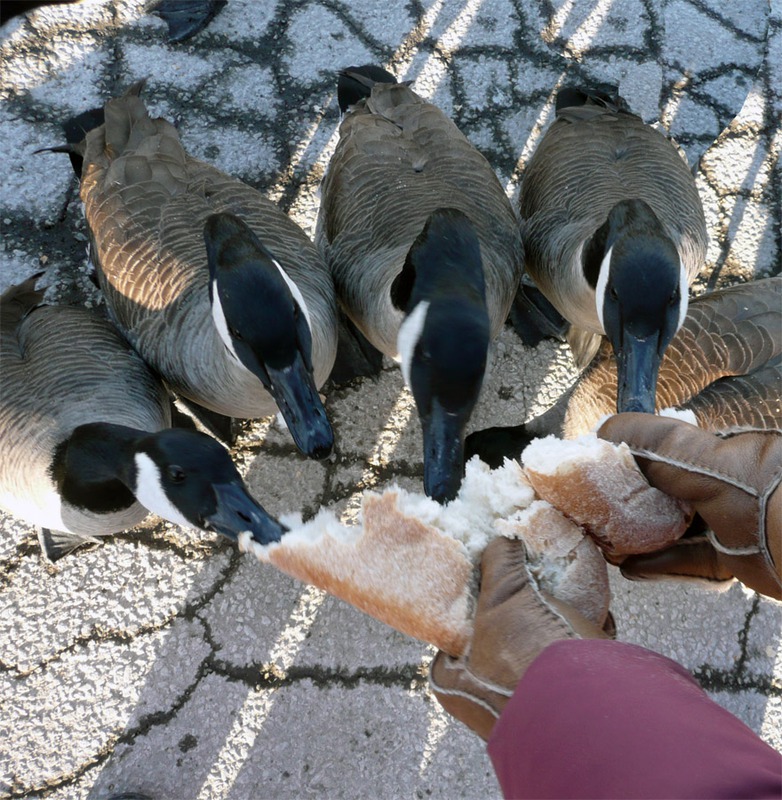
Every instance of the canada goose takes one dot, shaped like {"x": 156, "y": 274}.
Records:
{"x": 425, "y": 252}
{"x": 613, "y": 232}
{"x": 85, "y": 447}
{"x": 724, "y": 365}
{"x": 218, "y": 290}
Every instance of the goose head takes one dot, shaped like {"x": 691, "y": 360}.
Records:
{"x": 443, "y": 341}
{"x": 641, "y": 293}
{"x": 263, "y": 320}
{"x": 181, "y": 475}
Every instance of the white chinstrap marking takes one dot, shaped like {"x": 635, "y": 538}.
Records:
{"x": 602, "y": 282}
{"x": 150, "y": 493}
{"x": 218, "y": 315}
{"x": 684, "y": 295}
{"x": 296, "y": 292}
{"x": 408, "y": 336}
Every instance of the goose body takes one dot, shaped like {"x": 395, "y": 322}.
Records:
{"x": 724, "y": 366}
{"x": 425, "y": 252}
{"x": 85, "y": 437}
{"x": 170, "y": 234}
{"x": 614, "y": 233}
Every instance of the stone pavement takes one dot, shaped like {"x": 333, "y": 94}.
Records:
{"x": 166, "y": 662}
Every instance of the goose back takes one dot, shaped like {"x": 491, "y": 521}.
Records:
{"x": 146, "y": 201}
{"x": 63, "y": 367}
{"x": 592, "y": 157}
{"x": 398, "y": 159}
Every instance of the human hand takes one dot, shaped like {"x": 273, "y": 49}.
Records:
{"x": 514, "y": 622}
{"x": 732, "y": 482}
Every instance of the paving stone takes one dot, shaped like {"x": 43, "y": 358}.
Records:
{"x": 717, "y": 44}
{"x": 760, "y": 712}
{"x": 31, "y": 183}
{"x": 117, "y": 590}
{"x": 283, "y": 485}
{"x": 354, "y": 733}
{"x": 764, "y": 640}
{"x": 686, "y": 622}
{"x": 325, "y": 34}
{"x": 42, "y": 711}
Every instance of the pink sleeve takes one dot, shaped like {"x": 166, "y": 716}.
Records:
{"x": 599, "y": 719}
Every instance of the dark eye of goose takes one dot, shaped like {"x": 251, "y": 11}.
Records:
{"x": 175, "y": 473}
{"x": 235, "y": 334}
{"x": 674, "y": 298}
{"x": 614, "y": 295}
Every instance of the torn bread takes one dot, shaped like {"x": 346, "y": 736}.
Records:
{"x": 598, "y": 485}
{"x": 412, "y": 563}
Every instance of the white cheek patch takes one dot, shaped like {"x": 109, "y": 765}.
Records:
{"x": 602, "y": 282}
{"x": 150, "y": 493}
{"x": 296, "y": 292}
{"x": 218, "y": 315}
{"x": 684, "y": 295}
{"x": 408, "y": 336}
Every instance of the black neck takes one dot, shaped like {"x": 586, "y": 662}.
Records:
{"x": 93, "y": 468}
{"x": 626, "y": 218}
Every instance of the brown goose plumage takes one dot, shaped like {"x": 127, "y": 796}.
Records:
{"x": 593, "y": 156}
{"x": 398, "y": 159}
{"x": 146, "y": 201}
{"x": 85, "y": 444}
{"x": 425, "y": 251}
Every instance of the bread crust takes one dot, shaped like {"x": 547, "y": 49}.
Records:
{"x": 399, "y": 570}
{"x": 565, "y": 562}
{"x": 603, "y": 490}
{"x": 419, "y": 579}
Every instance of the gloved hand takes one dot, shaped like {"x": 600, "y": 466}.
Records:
{"x": 514, "y": 622}
{"x": 732, "y": 482}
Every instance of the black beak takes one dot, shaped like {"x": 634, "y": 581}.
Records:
{"x": 294, "y": 390}
{"x": 443, "y": 452}
{"x": 638, "y": 363}
{"x": 237, "y": 512}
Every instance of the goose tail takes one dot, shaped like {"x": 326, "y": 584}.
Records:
{"x": 18, "y": 301}
{"x": 604, "y": 96}
{"x": 355, "y": 83}
{"x": 76, "y": 129}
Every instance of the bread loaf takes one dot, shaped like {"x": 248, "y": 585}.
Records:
{"x": 412, "y": 563}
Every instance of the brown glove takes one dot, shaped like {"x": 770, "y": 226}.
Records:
{"x": 732, "y": 482}
{"x": 514, "y": 622}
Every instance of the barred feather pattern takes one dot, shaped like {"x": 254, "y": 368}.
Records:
{"x": 398, "y": 159}
{"x": 724, "y": 364}
{"x": 146, "y": 201}
{"x": 590, "y": 159}
{"x": 63, "y": 367}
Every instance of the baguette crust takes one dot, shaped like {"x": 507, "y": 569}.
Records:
{"x": 603, "y": 490}
{"x": 563, "y": 560}
{"x": 399, "y": 570}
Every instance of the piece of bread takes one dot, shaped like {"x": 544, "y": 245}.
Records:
{"x": 564, "y": 561}
{"x": 599, "y": 486}
{"x": 412, "y": 563}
